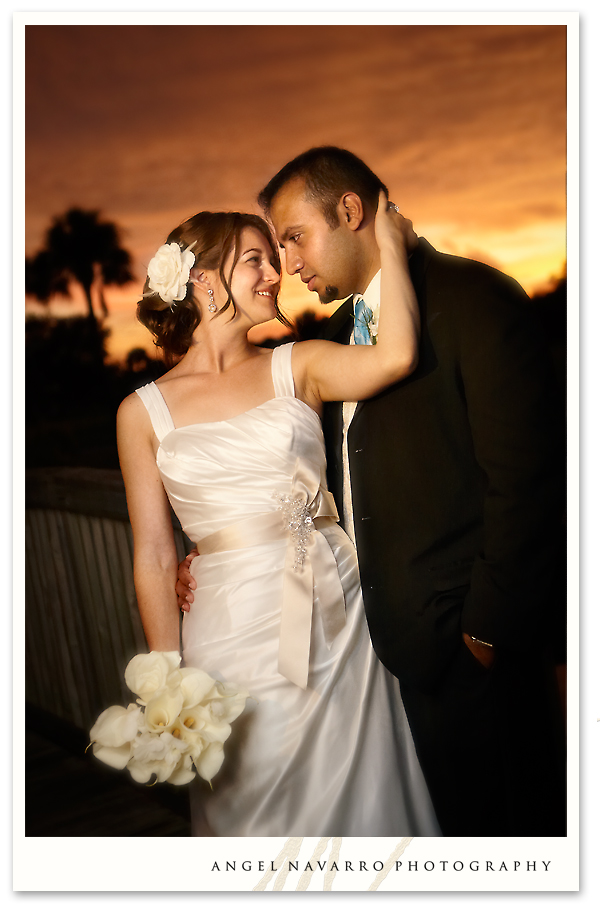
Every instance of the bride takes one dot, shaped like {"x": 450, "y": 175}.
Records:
{"x": 231, "y": 438}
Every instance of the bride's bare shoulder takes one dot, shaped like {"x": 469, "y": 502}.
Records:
{"x": 132, "y": 412}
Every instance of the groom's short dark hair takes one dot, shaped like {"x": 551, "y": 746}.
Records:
{"x": 328, "y": 172}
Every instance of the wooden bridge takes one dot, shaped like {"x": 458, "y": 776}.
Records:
{"x": 81, "y": 628}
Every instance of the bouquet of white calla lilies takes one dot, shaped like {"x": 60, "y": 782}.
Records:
{"x": 178, "y": 726}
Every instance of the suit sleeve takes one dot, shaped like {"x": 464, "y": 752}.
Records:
{"x": 512, "y": 407}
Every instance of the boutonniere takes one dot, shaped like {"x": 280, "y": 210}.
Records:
{"x": 373, "y": 326}
{"x": 371, "y": 322}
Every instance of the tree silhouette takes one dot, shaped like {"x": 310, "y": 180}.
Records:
{"x": 82, "y": 248}
{"x": 308, "y": 324}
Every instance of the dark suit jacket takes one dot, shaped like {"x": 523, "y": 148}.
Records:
{"x": 455, "y": 475}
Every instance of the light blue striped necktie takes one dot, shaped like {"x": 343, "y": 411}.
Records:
{"x": 362, "y": 316}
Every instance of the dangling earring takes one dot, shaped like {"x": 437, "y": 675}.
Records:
{"x": 212, "y": 306}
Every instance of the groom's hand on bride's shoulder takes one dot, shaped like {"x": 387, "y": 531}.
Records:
{"x": 185, "y": 582}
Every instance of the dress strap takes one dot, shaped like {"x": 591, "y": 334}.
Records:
{"x": 162, "y": 422}
{"x": 281, "y": 371}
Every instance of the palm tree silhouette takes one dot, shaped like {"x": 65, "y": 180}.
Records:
{"x": 82, "y": 248}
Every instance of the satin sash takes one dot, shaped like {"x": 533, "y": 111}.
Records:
{"x": 308, "y": 554}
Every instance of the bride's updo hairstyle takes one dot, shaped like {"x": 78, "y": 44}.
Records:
{"x": 211, "y": 236}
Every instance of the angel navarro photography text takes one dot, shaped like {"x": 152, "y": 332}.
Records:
{"x": 359, "y": 865}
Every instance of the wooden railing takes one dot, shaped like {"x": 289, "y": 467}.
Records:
{"x": 82, "y": 623}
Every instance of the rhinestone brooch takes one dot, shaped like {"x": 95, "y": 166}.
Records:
{"x": 298, "y": 522}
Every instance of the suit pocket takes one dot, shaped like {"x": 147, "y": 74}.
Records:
{"x": 466, "y": 672}
{"x": 456, "y": 574}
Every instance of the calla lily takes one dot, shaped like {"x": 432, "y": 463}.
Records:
{"x": 115, "y": 756}
{"x": 184, "y": 773}
{"x": 199, "y": 725}
{"x": 209, "y": 761}
{"x": 216, "y": 733}
{"x": 148, "y": 674}
{"x": 163, "y": 710}
{"x": 141, "y": 772}
{"x": 195, "y": 686}
{"x": 190, "y": 723}
{"x": 227, "y": 708}
{"x": 116, "y": 726}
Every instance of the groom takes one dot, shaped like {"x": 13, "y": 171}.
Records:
{"x": 450, "y": 484}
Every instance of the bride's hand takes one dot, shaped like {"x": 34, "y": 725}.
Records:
{"x": 391, "y": 228}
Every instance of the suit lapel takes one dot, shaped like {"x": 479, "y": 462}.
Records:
{"x": 418, "y": 263}
{"x": 339, "y": 326}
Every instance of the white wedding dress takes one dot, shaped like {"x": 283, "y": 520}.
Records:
{"x": 335, "y": 758}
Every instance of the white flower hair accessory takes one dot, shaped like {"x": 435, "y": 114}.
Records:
{"x": 169, "y": 272}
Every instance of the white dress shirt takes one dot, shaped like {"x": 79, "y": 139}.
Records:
{"x": 371, "y": 298}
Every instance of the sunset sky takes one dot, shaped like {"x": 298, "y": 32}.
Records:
{"x": 465, "y": 123}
